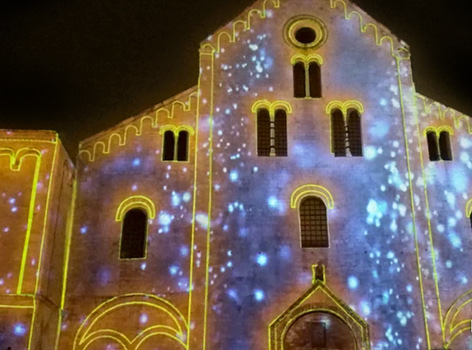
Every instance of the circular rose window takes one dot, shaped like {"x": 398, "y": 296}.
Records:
{"x": 305, "y": 32}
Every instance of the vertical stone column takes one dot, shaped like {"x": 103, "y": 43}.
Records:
{"x": 201, "y": 226}
{"x": 421, "y": 226}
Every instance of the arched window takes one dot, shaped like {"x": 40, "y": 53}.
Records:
{"x": 169, "y": 146}
{"x": 133, "y": 235}
{"x": 299, "y": 80}
{"x": 445, "y": 146}
{"x": 314, "y": 73}
{"x": 182, "y": 146}
{"x": 313, "y": 223}
{"x": 306, "y": 79}
{"x": 338, "y": 133}
{"x": 263, "y": 133}
{"x": 432, "y": 146}
{"x": 280, "y": 133}
{"x": 354, "y": 133}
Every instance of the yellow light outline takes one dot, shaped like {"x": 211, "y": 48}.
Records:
{"x": 146, "y": 300}
{"x": 307, "y": 59}
{"x": 104, "y": 146}
{"x": 272, "y": 106}
{"x": 468, "y": 208}
{"x": 176, "y": 130}
{"x": 438, "y": 129}
{"x": 136, "y": 201}
{"x": 311, "y": 190}
{"x": 344, "y": 106}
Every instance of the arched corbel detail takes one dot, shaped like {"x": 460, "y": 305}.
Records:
{"x": 132, "y": 202}
{"x": 311, "y": 190}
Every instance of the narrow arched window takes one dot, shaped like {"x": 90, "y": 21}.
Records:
{"x": 313, "y": 223}
{"x": 263, "y": 133}
{"x": 280, "y": 133}
{"x": 169, "y": 146}
{"x": 354, "y": 133}
{"x": 133, "y": 235}
{"x": 299, "y": 80}
{"x": 445, "y": 145}
{"x": 432, "y": 146}
{"x": 338, "y": 133}
{"x": 182, "y": 146}
{"x": 314, "y": 73}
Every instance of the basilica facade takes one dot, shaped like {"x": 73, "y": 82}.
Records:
{"x": 302, "y": 195}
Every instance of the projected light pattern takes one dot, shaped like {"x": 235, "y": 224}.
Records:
{"x": 224, "y": 267}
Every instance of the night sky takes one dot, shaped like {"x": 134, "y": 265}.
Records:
{"x": 82, "y": 66}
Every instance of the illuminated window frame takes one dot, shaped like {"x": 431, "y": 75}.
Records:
{"x": 307, "y": 61}
{"x": 135, "y": 202}
{"x": 176, "y": 131}
{"x": 441, "y": 153}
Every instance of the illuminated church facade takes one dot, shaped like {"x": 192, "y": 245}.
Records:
{"x": 303, "y": 195}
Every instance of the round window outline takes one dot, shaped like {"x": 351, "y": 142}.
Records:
{"x": 305, "y": 21}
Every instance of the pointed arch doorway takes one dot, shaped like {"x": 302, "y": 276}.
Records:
{"x": 319, "y": 330}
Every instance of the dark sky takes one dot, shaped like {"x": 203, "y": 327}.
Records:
{"x": 81, "y": 66}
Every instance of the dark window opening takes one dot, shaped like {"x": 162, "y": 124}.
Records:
{"x": 338, "y": 133}
{"x": 314, "y": 74}
{"x": 263, "y": 133}
{"x": 445, "y": 145}
{"x": 280, "y": 133}
{"x": 318, "y": 335}
{"x": 354, "y": 133}
{"x": 432, "y": 146}
{"x": 169, "y": 146}
{"x": 182, "y": 146}
{"x": 313, "y": 223}
{"x": 470, "y": 218}
{"x": 133, "y": 235}
{"x": 305, "y": 35}
{"x": 299, "y": 80}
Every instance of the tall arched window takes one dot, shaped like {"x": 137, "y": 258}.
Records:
{"x": 306, "y": 79}
{"x": 133, "y": 235}
{"x": 313, "y": 223}
{"x": 271, "y": 133}
{"x": 354, "y": 133}
{"x": 314, "y": 72}
{"x": 182, "y": 146}
{"x": 169, "y": 146}
{"x": 299, "y": 80}
{"x": 338, "y": 133}
{"x": 263, "y": 133}
{"x": 433, "y": 148}
{"x": 280, "y": 133}
{"x": 445, "y": 145}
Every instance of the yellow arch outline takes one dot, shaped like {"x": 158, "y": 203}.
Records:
{"x": 176, "y": 129}
{"x": 311, "y": 190}
{"x": 438, "y": 129}
{"x": 272, "y": 106}
{"x": 344, "y": 106}
{"x": 139, "y": 201}
{"x": 307, "y": 59}
{"x": 468, "y": 208}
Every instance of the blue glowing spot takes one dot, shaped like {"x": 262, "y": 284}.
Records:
{"x": 385, "y": 297}
{"x": 353, "y": 282}
{"x": 136, "y": 162}
{"x": 11, "y": 201}
{"x": 379, "y": 130}
{"x": 233, "y": 176}
{"x": 448, "y": 264}
{"x": 186, "y": 197}
{"x": 232, "y": 294}
{"x": 262, "y": 259}
{"x": 465, "y": 142}
{"x": 365, "y": 308}
{"x": 229, "y": 264}
{"x": 173, "y": 270}
{"x": 383, "y": 102}
{"x": 83, "y": 230}
{"x": 390, "y": 255}
{"x": 202, "y": 220}
{"x": 268, "y": 63}
{"x": 464, "y": 280}
{"x": 459, "y": 180}
{"x": 19, "y": 330}
{"x": 143, "y": 318}
{"x": 259, "y": 295}
{"x": 255, "y": 169}
{"x": 253, "y": 47}
{"x": 273, "y": 202}
{"x": 230, "y": 208}
{"x": 409, "y": 288}
{"x": 376, "y": 211}
{"x": 455, "y": 240}
{"x": 184, "y": 251}
{"x": 143, "y": 266}
{"x": 285, "y": 252}
{"x": 14, "y": 209}
{"x": 370, "y": 152}
{"x": 402, "y": 317}
{"x": 165, "y": 219}
{"x": 175, "y": 199}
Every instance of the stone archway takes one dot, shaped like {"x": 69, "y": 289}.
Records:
{"x": 319, "y": 330}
